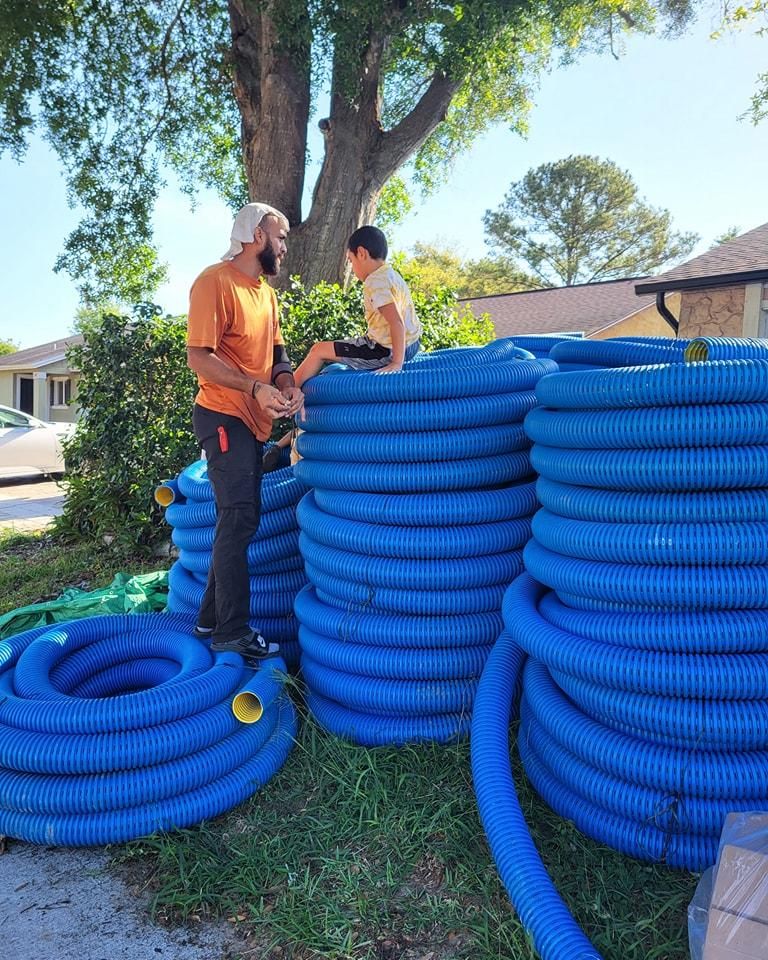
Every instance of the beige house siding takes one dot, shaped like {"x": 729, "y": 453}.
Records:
{"x": 647, "y": 322}
{"x": 6, "y": 389}
{"x": 713, "y": 312}
{"x": 762, "y": 318}
{"x": 41, "y": 392}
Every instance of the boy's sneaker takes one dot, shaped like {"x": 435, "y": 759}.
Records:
{"x": 202, "y": 633}
{"x": 251, "y": 647}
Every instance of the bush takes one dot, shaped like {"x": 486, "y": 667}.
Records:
{"x": 324, "y": 312}
{"x": 136, "y": 395}
{"x": 328, "y": 312}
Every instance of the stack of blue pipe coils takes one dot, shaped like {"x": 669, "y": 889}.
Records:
{"x": 645, "y": 715}
{"x": 274, "y": 562}
{"x": 421, "y": 504}
{"x": 645, "y": 707}
{"x": 573, "y": 355}
{"x": 115, "y": 727}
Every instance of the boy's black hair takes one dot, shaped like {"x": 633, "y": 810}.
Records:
{"x": 372, "y": 239}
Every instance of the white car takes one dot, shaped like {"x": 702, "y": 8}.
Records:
{"x": 29, "y": 446}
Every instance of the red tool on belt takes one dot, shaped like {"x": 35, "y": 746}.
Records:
{"x": 223, "y": 439}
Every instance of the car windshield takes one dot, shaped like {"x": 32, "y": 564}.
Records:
{"x": 10, "y": 418}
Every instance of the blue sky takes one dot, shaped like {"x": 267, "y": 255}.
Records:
{"x": 667, "y": 111}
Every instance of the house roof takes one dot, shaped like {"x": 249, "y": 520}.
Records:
{"x": 584, "y": 307}
{"x": 741, "y": 260}
{"x": 35, "y": 357}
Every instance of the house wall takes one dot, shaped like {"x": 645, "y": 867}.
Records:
{"x": 647, "y": 322}
{"x": 9, "y": 395}
{"x": 762, "y": 320}
{"x": 56, "y": 414}
{"x": 717, "y": 312}
{"x": 7, "y": 398}
{"x": 67, "y": 414}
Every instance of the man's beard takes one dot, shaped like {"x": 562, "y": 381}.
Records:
{"x": 268, "y": 261}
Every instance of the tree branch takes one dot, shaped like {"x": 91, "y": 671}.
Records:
{"x": 620, "y": 253}
{"x": 150, "y": 135}
{"x": 397, "y": 144}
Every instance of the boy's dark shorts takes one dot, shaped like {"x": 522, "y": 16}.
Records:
{"x": 362, "y": 353}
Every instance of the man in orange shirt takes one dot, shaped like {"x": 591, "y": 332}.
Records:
{"x": 235, "y": 347}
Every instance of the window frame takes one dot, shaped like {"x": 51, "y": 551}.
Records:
{"x": 56, "y": 392}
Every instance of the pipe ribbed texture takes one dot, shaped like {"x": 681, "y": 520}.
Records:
{"x": 643, "y": 611}
{"x": 421, "y": 506}
{"x": 112, "y": 728}
{"x": 275, "y": 565}
{"x": 643, "y": 616}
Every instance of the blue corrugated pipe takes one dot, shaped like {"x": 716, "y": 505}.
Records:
{"x": 613, "y": 353}
{"x": 645, "y": 703}
{"x": 421, "y": 507}
{"x": 541, "y": 910}
{"x": 726, "y": 348}
{"x": 112, "y": 728}
{"x": 274, "y": 562}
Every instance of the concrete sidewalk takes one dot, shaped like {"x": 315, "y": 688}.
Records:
{"x": 65, "y": 904}
{"x": 26, "y": 507}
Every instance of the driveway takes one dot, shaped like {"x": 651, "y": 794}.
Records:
{"x": 65, "y": 904}
{"x": 29, "y": 506}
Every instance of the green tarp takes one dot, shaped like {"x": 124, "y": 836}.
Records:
{"x": 126, "y": 594}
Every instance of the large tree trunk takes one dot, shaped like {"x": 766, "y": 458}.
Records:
{"x": 272, "y": 88}
{"x": 349, "y": 184}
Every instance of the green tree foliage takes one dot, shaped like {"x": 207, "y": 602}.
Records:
{"x": 135, "y": 428}
{"x": 8, "y": 346}
{"x": 432, "y": 267}
{"x": 579, "y": 220}
{"x": 743, "y": 16}
{"x": 730, "y": 234}
{"x": 328, "y": 311}
{"x": 221, "y": 92}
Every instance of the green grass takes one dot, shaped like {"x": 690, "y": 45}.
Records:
{"x": 354, "y": 854}
{"x": 38, "y": 567}
{"x": 358, "y": 854}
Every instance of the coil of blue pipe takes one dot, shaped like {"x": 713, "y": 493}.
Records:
{"x": 274, "y": 563}
{"x": 420, "y": 508}
{"x": 116, "y": 727}
{"x": 639, "y": 630}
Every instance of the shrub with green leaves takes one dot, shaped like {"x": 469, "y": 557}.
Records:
{"x": 135, "y": 429}
{"x": 329, "y": 312}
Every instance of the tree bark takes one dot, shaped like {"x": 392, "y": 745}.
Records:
{"x": 272, "y": 88}
{"x": 360, "y": 156}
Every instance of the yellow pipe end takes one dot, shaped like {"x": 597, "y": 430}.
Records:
{"x": 696, "y": 352}
{"x": 247, "y": 707}
{"x": 164, "y": 495}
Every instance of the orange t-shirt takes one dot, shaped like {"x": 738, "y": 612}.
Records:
{"x": 236, "y": 316}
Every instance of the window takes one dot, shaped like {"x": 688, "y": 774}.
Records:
{"x": 59, "y": 392}
{"x": 10, "y": 418}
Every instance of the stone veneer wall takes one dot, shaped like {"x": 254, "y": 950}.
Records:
{"x": 713, "y": 312}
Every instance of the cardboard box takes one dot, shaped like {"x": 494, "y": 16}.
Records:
{"x": 741, "y": 883}
{"x": 731, "y": 937}
{"x": 748, "y": 829}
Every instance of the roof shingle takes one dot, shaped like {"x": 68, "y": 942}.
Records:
{"x": 741, "y": 259}
{"x": 586, "y": 307}
{"x": 40, "y": 355}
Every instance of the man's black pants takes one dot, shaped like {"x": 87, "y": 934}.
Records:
{"x": 234, "y": 469}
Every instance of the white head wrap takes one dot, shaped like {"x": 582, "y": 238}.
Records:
{"x": 244, "y": 227}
